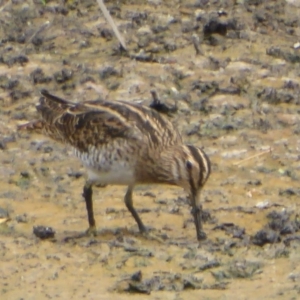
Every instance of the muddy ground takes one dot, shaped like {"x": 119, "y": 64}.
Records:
{"x": 229, "y": 71}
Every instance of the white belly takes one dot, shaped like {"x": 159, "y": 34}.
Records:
{"x": 120, "y": 176}
{"x": 103, "y": 168}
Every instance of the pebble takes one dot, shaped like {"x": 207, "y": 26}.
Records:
{"x": 297, "y": 45}
{"x": 263, "y": 204}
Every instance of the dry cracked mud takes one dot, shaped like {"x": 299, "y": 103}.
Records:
{"x": 229, "y": 72}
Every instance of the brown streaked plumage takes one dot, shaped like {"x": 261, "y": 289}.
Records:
{"x": 124, "y": 143}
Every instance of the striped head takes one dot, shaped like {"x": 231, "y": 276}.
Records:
{"x": 190, "y": 168}
{"x": 197, "y": 169}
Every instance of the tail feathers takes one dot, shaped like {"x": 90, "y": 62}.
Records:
{"x": 51, "y": 107}
{"x": 36, "y": 125}
{"x": 53, "y": 98}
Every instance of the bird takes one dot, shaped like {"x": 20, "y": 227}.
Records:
{"x": 124, "y": 143}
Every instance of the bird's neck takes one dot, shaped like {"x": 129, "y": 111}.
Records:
{"x": 170, "y": 167}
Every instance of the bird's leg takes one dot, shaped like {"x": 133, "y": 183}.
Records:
{"x": 129, "y": 205}
{"x": 197, "y": 214}
{"x": 87, "y": 194}
{"x": 142, "y": 228}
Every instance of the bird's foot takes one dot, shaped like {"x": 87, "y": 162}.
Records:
{"x": 91, "y": 231}
{"x": 201, "y": 236}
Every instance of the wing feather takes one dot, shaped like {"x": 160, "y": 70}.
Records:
{"x": 81, "y": 125}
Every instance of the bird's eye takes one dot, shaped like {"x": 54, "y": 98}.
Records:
{"x": 189, "y": 165}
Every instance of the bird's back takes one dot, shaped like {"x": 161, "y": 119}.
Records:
{"x": 101, "y": 123}
{"x": 118, "y": 142}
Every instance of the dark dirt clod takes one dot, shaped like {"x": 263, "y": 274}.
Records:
{"x": 63, "y": 76}
{"x": 215, "y": 26}
{"x": 107, "y": 72}
{"x": 230, "y": 71}
{"x": 288, "y": 55}
{"x": 157, "y": 105}
{"x": 19, "y": 94}
{"x": 255, "y": 182}
{"x": 20, "y": 59}
{"x": 8, "y": 84}
{"x": 280, "y": 222}
{"x": 140, "y": 288}
{"x": 2, "y": 145}
{"x": 266, "y": 236}
{"x": 290, "y": 192}
{"x": 237, "y": 269}
{"x": 38, "y": 76}
{"x": 137, "y": 276}
{"x": 43, "y": 232}
{"x": 37, "y": 41}
{"x": 209, "y": 265}
{"x": 231, "y": 229}
{"x": 22, "y": 218}
{"x": 160, "y": 281}
{"x": 106, "y": 33}
{"x": 75, "y": 174}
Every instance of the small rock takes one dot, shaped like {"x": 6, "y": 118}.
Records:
{"x": 157, "y": 105}
{"x": 107, "y": 72}
{"x": 297, "y": 45}
{"x": 145, "y": 30}
{"x": 8, "y": 83}
{"x": 255, "y": 182}
{"x": 37, "y": 41}
{"x": 106, "y": 33}
{"x": 137, "y": 276}
{"x": 149, "y": 194}
{"x": 110, "y": 210}
{"x": 21, "y": 59}
{"x": 63, "y": 75}
{"x": 290, "y": 192}
{"x": 294, "y": 277}
{"x": 16, "y": 95}
{"x": 43, "y": 232}
{"x": 263, "y": 204}
{"x": 230, "y": 228}
{"x": 209, "y": 265}
{"x": 290, "y": 56}
{"x": 38, "y": 76}
{"x": 137, "y": 18}
{"x": 265, "y": 236}
{"x": 215, "y": 26}
{"x": 290, "y": 84}
{"x": 238, "y": 153}
{"x": 22, "y": 218}
{"x": 75, "y": 174}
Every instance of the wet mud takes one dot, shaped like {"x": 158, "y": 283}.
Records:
{"x": 227, "y": 74}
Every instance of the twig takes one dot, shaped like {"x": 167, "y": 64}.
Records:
{"x": 161, "y": 107}
{"x": 154, "y": 97}
{"x": 253, "y": 156}
{"x": 195, "y": 40}
{"x": 111, "y": 23}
